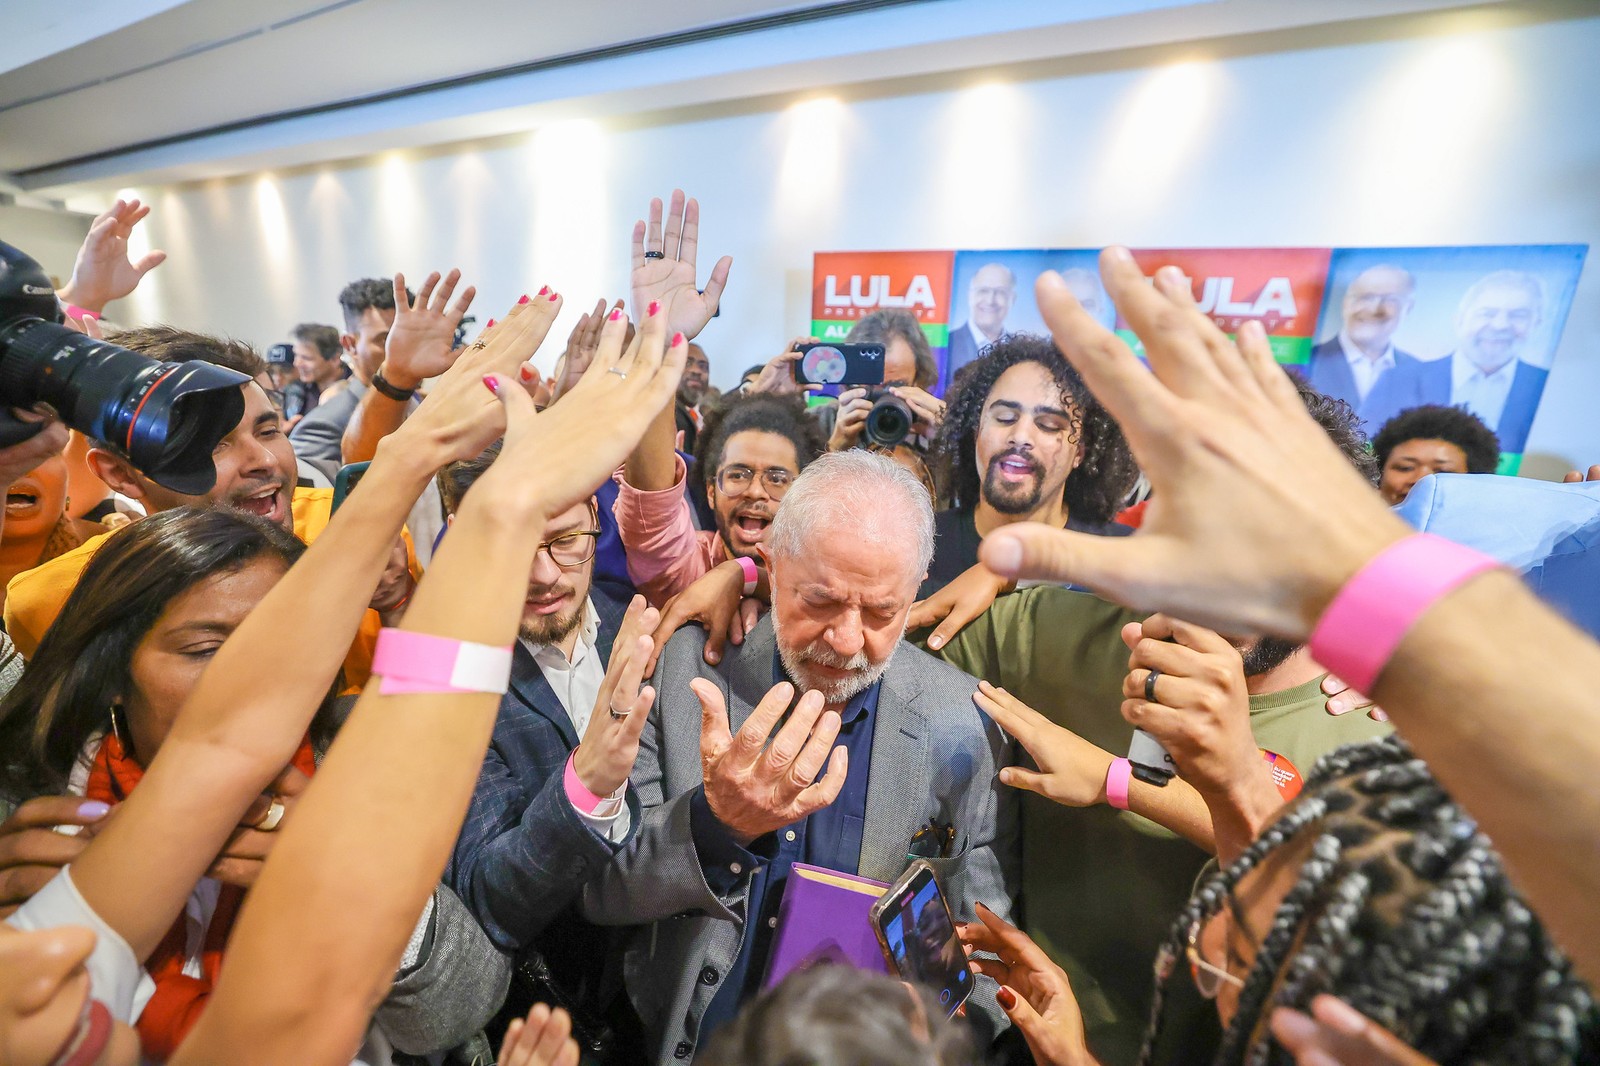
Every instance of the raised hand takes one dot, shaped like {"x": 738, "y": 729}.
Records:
{"x": 554, "y": 460}
{"x": 605, "y": 757}
{"x": 545, "y": 1039}
{"x": 419, "y": 344}
{"x": 103, "y": 271}
{"x": 755, "y": 788}
{"x": 1336, "y": 1034}
{"x": 671, "y": 277}
{"x": 1215, "y": 420}
{"x": 582, "y": 344}
{"x": 1071, "y": 771}
{"x": 716, "y": 600}
{"x": 1034, "y": 992}
{"x": 955, "y": 606}
{"x": 777, "y": 377}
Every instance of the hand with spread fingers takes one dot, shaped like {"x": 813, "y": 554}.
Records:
{"x": 1336, "y": 1034}
{"x": 544, "y": 1039}
{"x": 1071, "y": 771}
{"x": 958, "y": 604}
{"x": 1214, "y": 421}
{"x": 664, "y": 266}
{"x": 421, "y": 339}
{"x": 604, "y": 758}
{"x": 1034, "y": 992}
{"x": 716, "y": 600}
{"x": 754, "y": 787}
{"x": 582, "y": 344}
{"x": 41, "y": 836}
{"x": 104, "y": 271}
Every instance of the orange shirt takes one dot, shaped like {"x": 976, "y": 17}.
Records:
{"x": 35, "y": 597}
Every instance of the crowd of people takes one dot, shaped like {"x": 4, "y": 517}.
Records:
{"x": 477, "y": 715}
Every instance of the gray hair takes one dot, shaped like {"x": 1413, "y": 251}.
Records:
{"x": 872, "y": 493}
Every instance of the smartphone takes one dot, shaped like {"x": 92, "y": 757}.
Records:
{"x": 918, "y": 936}
{"x": 839, "y": 364}
{"x": 346, "y": 481}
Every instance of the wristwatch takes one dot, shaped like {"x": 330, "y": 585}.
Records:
{"x": 393, "y": 392}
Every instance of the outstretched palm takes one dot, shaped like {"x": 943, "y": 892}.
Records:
{"x": 664, "y": 267}
{"x": 419, "y": 344}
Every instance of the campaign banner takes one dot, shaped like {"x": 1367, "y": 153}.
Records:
{"x": 1469, "y": 327}
{"x": 1279, "y": 287}
{"x": 848, "y": 286}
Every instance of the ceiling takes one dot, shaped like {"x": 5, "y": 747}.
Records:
{"x": 110, "y": 92}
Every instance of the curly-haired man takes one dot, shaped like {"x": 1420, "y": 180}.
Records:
{"x": 1024, "y": 440}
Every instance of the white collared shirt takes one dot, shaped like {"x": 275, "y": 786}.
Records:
{"x": 978, "y": 337}
{"x": 576, "y": 683}
{"x": 1365, "y": 371}
{"x": 1484, "y": 394}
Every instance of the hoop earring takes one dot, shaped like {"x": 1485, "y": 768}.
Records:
{"x": 116, "y": 705}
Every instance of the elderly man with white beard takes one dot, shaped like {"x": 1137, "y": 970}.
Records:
{"x": 824, "y": 738}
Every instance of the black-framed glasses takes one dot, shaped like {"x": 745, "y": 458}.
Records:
{"x": 571, "y": 549}
{"x": 736, "y": 480}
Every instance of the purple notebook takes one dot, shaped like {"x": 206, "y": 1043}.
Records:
{"x": 824, "y": 919}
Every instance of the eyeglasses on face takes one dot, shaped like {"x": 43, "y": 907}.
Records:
{"x": 736, "y": 480}
{"x": 571, "y": 549}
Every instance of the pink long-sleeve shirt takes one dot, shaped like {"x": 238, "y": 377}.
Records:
{"x": 666, "y": 554}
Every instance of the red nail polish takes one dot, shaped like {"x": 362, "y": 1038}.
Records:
{"x": 490, "y": 325}
{"x": 491, "y": 384}
{"x": 1006, "y": 998}
{"x": 545, "y": 291}
{"x": 677, "y": 339}
{"x": 524, "y": 299}
{"x": 655, "y": 307}
{"x": 617, "y": 314}
{"x": 554, "y": 297}
{"x": 526, "y": 374}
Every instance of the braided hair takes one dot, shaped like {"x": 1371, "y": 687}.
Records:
{"x": 1402, "y": 908}
{"x": 1094, "y": 491}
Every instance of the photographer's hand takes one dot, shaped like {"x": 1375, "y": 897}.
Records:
{"x": 853, "y": 410}
{"x": 103, "y": 271}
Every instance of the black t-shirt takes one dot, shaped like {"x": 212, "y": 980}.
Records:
{"x": 956, "y": 540}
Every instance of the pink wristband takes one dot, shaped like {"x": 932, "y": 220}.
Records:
{"x": 751, "y": 575}
{"x": 416, "y": 662}
{"x": 580, "y": 796}
{"x": 1117, "y": 776}
{"x": 1358, "y": 633}
{"x": 74, "y": 311}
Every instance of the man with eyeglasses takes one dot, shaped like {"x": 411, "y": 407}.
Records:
{"x": 1358, "y": 364}
{"x": 751, "y": 450}
{"x": 527, "y": 846}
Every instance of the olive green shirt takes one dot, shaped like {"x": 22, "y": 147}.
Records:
{"x": 1101, "y": 887}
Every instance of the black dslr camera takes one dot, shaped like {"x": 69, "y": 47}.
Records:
{"x": 889, "y": 421}
{"x": 165, "y": 417}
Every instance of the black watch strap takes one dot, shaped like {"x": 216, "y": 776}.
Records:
{"x": 397, "y": 394}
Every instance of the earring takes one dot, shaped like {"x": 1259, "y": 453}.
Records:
{"x": 116, "y": 705}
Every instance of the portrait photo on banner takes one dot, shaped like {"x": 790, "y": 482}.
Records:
{"x": 992, "y": 294}
{"x": 1470, "y": 327}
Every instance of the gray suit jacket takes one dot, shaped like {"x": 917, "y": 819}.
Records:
{"x": 934, "y": 756}
{"x": 318, "y": 437}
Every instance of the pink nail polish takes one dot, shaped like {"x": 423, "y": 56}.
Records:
{"x": 617, "y": 314}
{"x": 554, "y": 296}
{"x": 490, "y": 325}
{"x": 654, "y": 308}
{"x": 545, "y": 291}
{"x": 677, "y": 339}
{"x": 491, "y": 384}
{"x": 524, "y": 299}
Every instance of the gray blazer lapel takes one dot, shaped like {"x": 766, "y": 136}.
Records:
{"x": 901, "y": 777}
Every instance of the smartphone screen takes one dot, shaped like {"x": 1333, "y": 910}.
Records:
{"x": 840, "y": 364}
{"x": 919, "y": 936}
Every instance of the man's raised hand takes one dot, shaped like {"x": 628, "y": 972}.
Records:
{"x": 1215, "y": 421}
{"x": 605, "y": 758}
{"x": 754, "y": 787}
{"x": 664, "y": 266}
{"x": 103, "y": 272}
{"x": 420, "y": 341}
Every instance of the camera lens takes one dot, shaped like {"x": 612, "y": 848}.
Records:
{"x": 889, "y": 421}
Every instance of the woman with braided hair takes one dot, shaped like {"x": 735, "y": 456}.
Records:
{"x": 1373, "y": 886}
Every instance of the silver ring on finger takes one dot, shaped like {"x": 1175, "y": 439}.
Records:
{"x": 1150, "y": 686}
{"x": 617, "y": 370}
{"x": 616, "y": 715}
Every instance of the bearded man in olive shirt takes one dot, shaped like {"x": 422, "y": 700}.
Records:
{"x": 1101, "y": 887}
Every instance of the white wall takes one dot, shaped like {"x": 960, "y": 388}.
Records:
{"x": 1476, "y": 136}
